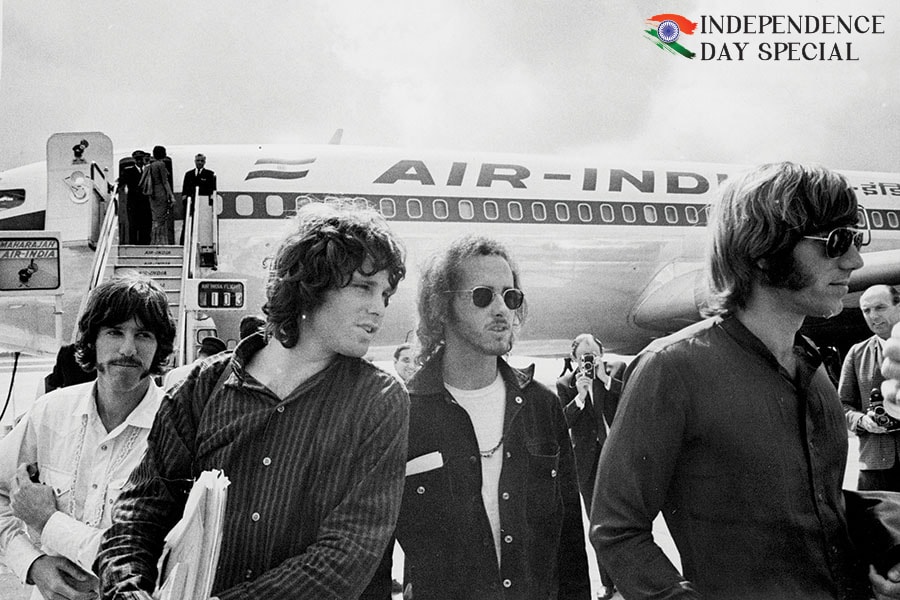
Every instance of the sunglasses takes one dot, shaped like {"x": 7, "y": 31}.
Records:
{"x": 839, "y": 240}
{"x": 482, "y": 296}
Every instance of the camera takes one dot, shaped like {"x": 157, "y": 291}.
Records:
{"x": 589, "y": 366}
{"x": 878, "y": 414}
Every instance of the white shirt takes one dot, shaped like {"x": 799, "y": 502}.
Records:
{"x": 486, "y": 408}
{"x": 85, "y": 465}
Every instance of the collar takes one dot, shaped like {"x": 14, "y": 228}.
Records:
{"x": 430, "y": 378}
{"x": 803, "y": 347}
{"x": 142, "y": 416}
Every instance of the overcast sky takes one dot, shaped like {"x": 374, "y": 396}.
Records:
{"x": 554, "y": 77}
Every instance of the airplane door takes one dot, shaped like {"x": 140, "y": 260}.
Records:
{"x": 76, "y": 161}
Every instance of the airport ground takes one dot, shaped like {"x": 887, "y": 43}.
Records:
{"x": 547, "y": 370}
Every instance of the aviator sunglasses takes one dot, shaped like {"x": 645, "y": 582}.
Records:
{"x": 838, "y": 241}
{"x": 482, "y": 296}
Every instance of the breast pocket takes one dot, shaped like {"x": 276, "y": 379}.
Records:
{"x": 112, "y": 492}
{"x": 61, "y": 483}
{"x": 543, "y": 472}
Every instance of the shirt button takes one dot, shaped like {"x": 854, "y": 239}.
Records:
{"x": 94, "y": 486}
{"x": 103, "y": 447}
{"x": 505, "y": 496}
{"x": 267, "y": 461}
{"x": 507, "y": 583}
{"x": 420, "y": 489}
{"x": 518, "y": 401}
{"x": 509, "y": 455}
{"x": 248, "y": 574}
{"x": 552, "y": 472}
{"x": 508, "y": 539}
{"x": 280, "y": 409}
{"x": 254, "y": 517}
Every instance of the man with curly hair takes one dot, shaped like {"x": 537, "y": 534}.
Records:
{"x": 64, "y": 464}
{"x": 311, "y": 436}
{"x": 490, "y": 508}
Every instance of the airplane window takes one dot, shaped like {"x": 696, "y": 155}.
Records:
{"x": 877, "y": 219}
{"x": 606, "y": 213}
{"x": 274, "y": 206}
{"x": 650, "y": 213}
{"x": 562, "y": 211}
{"x": 691, "y": 215}
{"x": 414, "y": 208}
{"x": 539, "y": 211}
{"x": 628, "y": 213}
{"x": 671, "y": 214}
{"x": 243, "y": 205}
{"x": 491, "y": 212}
{"x": 439, "y": 206}
{"x": 466, "y": 210}
{"x": 388, "y": 208}
{"x": 892, "y": 220}
{"x": 585, "y": 213}
{"x": 515, "y": 211}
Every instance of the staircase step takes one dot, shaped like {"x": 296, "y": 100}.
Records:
{"x": 150, "y": 251}
{"x": 153, "y": 270}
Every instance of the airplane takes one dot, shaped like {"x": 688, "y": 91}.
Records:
{"x": 605, "y": 246}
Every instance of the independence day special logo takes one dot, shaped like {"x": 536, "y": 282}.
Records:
{"x": 666, "y": 30}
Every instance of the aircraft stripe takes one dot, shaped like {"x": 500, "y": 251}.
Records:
{"x": 276, "y": 174}
{"x": 535, "y": 211}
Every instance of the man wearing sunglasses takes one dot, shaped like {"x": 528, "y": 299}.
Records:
{"x": 731, "y": 427}
{"x": 490, "y": 506}
{"x": 879, "y": 434}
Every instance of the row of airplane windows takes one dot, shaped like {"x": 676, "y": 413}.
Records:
{"x": 538, "y": 211}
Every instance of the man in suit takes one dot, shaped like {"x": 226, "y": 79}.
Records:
{"x": 861, "y": 373}
{"x": 137, "y": 206}
{"x": 589, "y": 397}
{"x": 198, "y": 177}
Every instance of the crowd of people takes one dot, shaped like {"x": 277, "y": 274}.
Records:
{"x": 146, "y": 195}
{"x": 730, "y": 428}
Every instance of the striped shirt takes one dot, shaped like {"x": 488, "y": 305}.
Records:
{"x": 316, "y": 480}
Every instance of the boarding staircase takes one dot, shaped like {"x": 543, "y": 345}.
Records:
{"x": 164, "y": 264}
{"x": 169, "y": 265}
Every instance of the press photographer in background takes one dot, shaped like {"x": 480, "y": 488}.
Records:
{"x": 589, "y": 396}
{"x": 860, "y": 391}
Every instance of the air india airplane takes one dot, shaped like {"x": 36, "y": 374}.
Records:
{"x": 608, "y": 247}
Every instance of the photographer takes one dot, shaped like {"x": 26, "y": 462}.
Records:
{"x": 589, "y": 397}
{"x": 879, "y": 435}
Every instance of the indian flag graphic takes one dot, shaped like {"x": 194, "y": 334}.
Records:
{"x": 666, "y": 29}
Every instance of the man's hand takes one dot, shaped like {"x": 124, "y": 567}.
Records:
{"x": 583, "y": 385}
{"x": 57, "y": 578}
{"x": 34, "y": 503}
{"x": 869, "y": 424}
{"x": 885, "y": 588}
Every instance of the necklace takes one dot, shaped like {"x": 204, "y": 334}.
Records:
{"x": 490, "y": 453}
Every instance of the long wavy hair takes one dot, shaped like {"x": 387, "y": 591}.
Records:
{"x": 759, "y": 220}
{"x": 118, "y": 300}
{"x": 331, "y": 242}
{"x": 443, "y": 272}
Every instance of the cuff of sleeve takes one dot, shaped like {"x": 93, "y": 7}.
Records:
{"x": 20, "y": 555}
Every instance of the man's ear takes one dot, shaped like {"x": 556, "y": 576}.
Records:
{"x": 763, "y": 264}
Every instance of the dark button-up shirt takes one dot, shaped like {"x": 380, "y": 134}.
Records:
{"x": 316, "y": 480}
{"x": 745, "y": 463}
{"x": 443, "y": 526}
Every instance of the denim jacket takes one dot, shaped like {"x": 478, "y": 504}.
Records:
{"x": 443, "y": 527}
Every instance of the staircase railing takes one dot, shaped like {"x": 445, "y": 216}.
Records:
{"x": 104, "y": 241}
{"x": 189, "y": 261}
